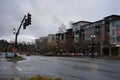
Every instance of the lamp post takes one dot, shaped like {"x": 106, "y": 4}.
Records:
{"x": 92, "y": 50}
{"x": 14, "y": 32}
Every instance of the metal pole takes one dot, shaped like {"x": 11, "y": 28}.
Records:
{"x": 92, "y": 47}
{"x": 92, "y": 54}
{"x": 16, "y": 40}
{"x": 17, "y": 33}
{"x": 101, "y": 52}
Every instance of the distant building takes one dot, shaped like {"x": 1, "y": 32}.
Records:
{"x": 76, "y": 29}
{"x": 51, "y": 39}
{"x": 79, "y": 38}
{"x": 60, "y": 39}
{"x": 69, "y": 41}
{"x": 51, "y": 44}
{"x": 97, "y": 30}
{"x": 77, "y": 33}
{"x": 41, "y": 45}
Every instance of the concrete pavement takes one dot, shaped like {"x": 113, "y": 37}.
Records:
{"x": 64, "y": 67}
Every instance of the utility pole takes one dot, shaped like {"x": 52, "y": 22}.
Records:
{"x": 25, "y": 22}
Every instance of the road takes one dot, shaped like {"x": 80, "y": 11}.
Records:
{"x": 67, "y": 68}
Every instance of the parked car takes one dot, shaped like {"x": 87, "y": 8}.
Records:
{"x": 78, "y": 54}
{"x": 10, "y": 55}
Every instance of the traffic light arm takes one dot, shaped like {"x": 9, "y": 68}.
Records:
{"x": 20, "y": 25}
{"x": 17, "y": 33}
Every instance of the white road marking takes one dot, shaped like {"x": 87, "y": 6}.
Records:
{"x": 20, "y": 61}
{"x": 19, "y": 69}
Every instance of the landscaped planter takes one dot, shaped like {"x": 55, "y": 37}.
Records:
{"x": 43, "y": 78}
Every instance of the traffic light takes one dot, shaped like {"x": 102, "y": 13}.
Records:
{"x": 29, "y": 18}
{"x": 24, "y": 26}
{"x": 27, "y": 21}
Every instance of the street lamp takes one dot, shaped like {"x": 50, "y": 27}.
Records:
{"x": 92, "y": 50}
{"x": 14, "y": 31}
{"x": 93, "y": 36}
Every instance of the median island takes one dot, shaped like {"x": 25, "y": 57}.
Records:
{"x": 43, "y": 78}
{"x": 17, "y": 58}
{"x": 13, "y": 56}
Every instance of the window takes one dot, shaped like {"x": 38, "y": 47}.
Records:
{"x": 117, "y": 26}
{"x": 102, "y": 29}
{"x": 113, "y": 24}
{"x": 76, "y": 29}
{"x": 114, "y": 39}
{"x": 113, "y": 32}
{"x": 118, "y": 39}
{"x": 97, "y": 30}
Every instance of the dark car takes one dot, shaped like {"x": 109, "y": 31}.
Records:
{"x": 10, "y": 55}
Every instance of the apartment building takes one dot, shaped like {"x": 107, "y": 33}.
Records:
{"x": 104, "y": 35}
{"x": 115, "y": 36}
{"x": 41, "y": 45}
{"x": 76, "y": 29}
{"x": 93, "y": 31}
{"x": 69, "y": 44}
{"x": 60, "y": 39}
{"x": 51, "y": 40}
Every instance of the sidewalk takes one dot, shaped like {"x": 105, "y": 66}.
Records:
{"x": 109, "y": 57}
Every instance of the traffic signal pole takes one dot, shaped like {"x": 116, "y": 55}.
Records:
{"x": 17, "y": 33}
{"x": 25, "y": 22}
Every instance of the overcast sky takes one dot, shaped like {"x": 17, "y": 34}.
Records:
{"x": 48, "y": 15}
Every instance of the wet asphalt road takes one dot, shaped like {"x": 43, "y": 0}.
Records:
{"x": 64, "y": 67}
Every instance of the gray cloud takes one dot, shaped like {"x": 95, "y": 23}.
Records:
{"x": 48, "y": 15}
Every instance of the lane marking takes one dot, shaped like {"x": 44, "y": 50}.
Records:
{"x": 20, "y": 61}
{"x": 19, "y": 69}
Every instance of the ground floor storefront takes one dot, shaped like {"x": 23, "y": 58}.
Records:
{"x": 111, "y": 51}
